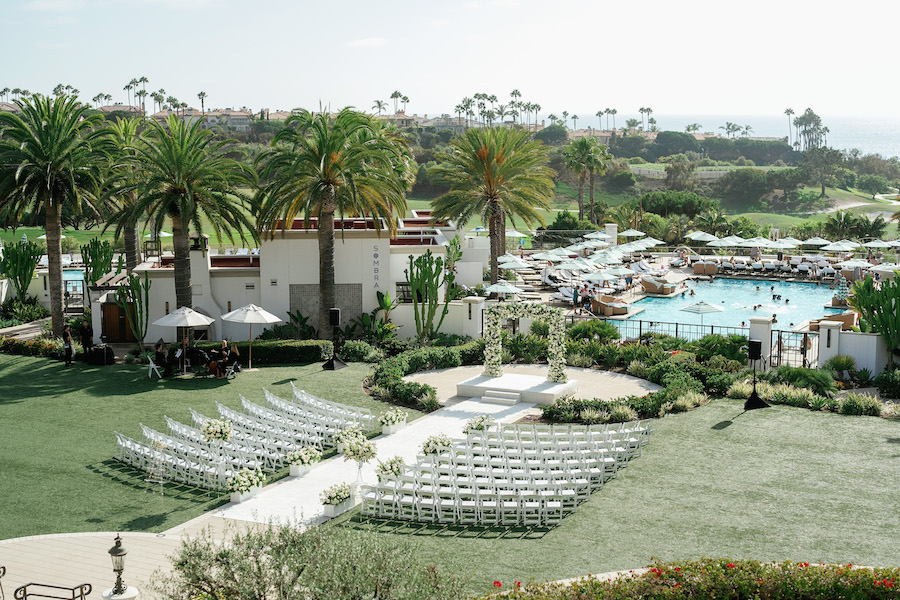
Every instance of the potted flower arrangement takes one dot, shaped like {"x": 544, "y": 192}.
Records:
{"x": 362, "y": 451}
{"x": 336, "y": 499}
{"x": 347, "y": 436}
{"x": 215, "y": 430}
{"x": 480, "y": 423}
{"x": 245, "y": 484}
{"x": 302, "y": 460}
{"x": 436, "y": 444}
{"x": 393, "y": 420}
{"x": 390, "y": 468}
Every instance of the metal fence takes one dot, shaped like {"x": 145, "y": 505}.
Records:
{"x": 794, "y": 349}
{"x": 630, "y": 329}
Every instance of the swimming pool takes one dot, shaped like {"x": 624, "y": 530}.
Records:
{"x": 799, "y": 302}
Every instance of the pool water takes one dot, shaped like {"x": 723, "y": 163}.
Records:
{"x": 73, "y": 275}
{"x": 737, "y": 297}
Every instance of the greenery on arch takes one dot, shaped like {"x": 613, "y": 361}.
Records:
{"x": 556, "y": 352}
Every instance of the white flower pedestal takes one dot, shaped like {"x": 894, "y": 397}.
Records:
{"x": 333, "y": 510}
{"x": 238, "y": 497}
{"x": 300, "y": 470}
{"x": 341, "y": 447}
{"x": 389, "y": 429}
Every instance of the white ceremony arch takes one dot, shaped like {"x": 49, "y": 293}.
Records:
{"x": 493, "y": 347}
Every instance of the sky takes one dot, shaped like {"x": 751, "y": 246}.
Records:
{"x": 679, "y": 58}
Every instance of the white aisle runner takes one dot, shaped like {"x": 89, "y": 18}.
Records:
{"x": 298, "y": 498}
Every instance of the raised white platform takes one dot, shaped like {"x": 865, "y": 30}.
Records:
{"x": 531, "y": 388}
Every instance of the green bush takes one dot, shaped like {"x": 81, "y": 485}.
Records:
{"x": 272, "y": 352}
{"x": 360, "y": 351}
{"x": 732, "y": 347}
{"x": 839, "y": 364}
{"x": 47, "y": 348}
{"x": 622, "y": 413}
{"x": 724, "y": 364}
{"x": 637, "y": 368}
{"x": 23, "y": 311}
{"x": 819, "y": 381}
{"x": 888, "y": 383}
{"x": 861, "y": 404}
{"x": 579, "y": 360}
{"x": 729, "y": 579}
{"x": 783, "y": 393}
{"x": 863, "y": 377}
{"x": 593, "y": 329}
{"x": 540, "y": 328}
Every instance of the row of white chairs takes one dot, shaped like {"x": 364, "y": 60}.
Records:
{"x": 168, "y": 462}
{"x": 274, "y": 443}
{"x": 238, "y": 449}
{"x": 311, "y": 417}
{"x": 347, "y": 414}
{"x": 270, "y": 428}
{"x": 279, "y": 420}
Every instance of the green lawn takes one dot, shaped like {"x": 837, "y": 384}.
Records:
{"x": 57, "y": 472}
{"x": 775, "y": 484}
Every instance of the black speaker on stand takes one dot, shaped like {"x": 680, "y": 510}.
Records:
{"x": 334, "y": 319}
{"x": 754, "y": 353}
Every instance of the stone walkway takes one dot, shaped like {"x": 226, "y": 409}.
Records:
{"x": 71, "y": 559}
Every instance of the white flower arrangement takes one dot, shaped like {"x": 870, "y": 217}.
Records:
{"x": 245, "y": 480}
{"x": 479, "y": 423}
{"x": 493, "y": 348}
{"x": 217, "y": 430}
{"x": 339, "y": 492}
{"x": 392, "y": 467}
{"x": 304, "y": 456}
{"x": 158, "y": 445}
{"x": 393, "y": 416}
{"x": 360, "y": 450}
{"x": 349, "y": 435}
{"x": 436, "y": 444}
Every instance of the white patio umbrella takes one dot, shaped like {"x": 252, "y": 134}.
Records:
{"x": 573, "y": 265}
{"x": 503, "y": 287}
{"x": 184, "y": 317}
{"x": 723, "y": 243}
{"x": 44, "y": 237}
{"x": 514, "y": 264}
{"x": 512, "y": 233}
{"x": 597, "y": 235}
{"x": 161, "y": 234}
{"x": 599, "y": 277}
{"x": 619, "y": 271}
{"x": 547, "y": 256}
{"x": 854, "y": 263}
{"x": 506, "y": 258}
{"x": 816, "y": 241}
{"x": 650, "y": 242}
{"x": 632, "y": 233}
{"x": 757, "y": 241}
{"x": 734, "y": 239}
{"x": 702, "y": 308}
{"x": 886, "y": 269}
{"x": 783, "y": 245}
{"x": 701, "y": 236}
{"x": 837, "y": 247}
{"x": 894, "y": 243}
{"x": 560, "y": 252}
{"x": 791, "y": 240}
{"x": 251, "y": 315}
{"x": 478, "y": 229}
{"x": 877, "y": 244}
{"x": 597, "y": 244}
{"x": 848, "y": 243}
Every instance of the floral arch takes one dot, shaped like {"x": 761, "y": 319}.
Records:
{"x": 493, "y": 347}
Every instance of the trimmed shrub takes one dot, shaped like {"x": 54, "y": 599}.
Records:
{"x": 540, "y": 328}
{"x": 593, "y": 329}
{"x": 692, "y": 399}
{"x": 579, "y": 360}
{"x": 637, "y": 368}
{"x": 888, "y": 383}
{"x": 860, "y": 404}
{"x": 280, "y": 351}
{"x": 839, "y": 364}
{"x": 820, "y": 403}
{"x": 819, "y": 381}
{"x": 622, "y": 413}
{"x": 721, "y": 363}
{"x": 360, "y": 351}
{"x": 590, "y": 416}
{"x": 783, "y": 393}
{"x": 740, "y": 390}
{"x": 732, "y": 347}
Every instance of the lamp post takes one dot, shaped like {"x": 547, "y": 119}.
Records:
{"x": 117, "y": 554}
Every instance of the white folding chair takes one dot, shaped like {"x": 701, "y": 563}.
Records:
{"x": 152, "y": 368}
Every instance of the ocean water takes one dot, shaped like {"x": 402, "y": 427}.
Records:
{"x": 871, "y": 135}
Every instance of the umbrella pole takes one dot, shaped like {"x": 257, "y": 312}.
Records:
{"x": 250, "y": 343}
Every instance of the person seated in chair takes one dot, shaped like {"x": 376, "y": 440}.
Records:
{"x": 162, "y": 360}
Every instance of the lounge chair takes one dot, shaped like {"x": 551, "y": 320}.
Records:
{"x": 612, "y": 306}
{"x": 848, "y": 321}
{"x": 655, "y": 286}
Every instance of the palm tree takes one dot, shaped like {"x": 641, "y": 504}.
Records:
{"x": 497, "y": 172}
{"x": 613, "y": 113}
{"x": 841, "y": 224}
{"x": 202, "y": 97}
{"x": 576, "y": 155}
{"x": 123, "y": 184}
{"x": 642, "y": 110}
{"x": 50, "y": 159}
{"x": 379, "y": 105}
{"x": 596, "y": 163}
{"x": 648, "y": 111}
{"x": 565, "y": 115}
{"x": 537, "y": 109}
{"x": 5, "y": 93}
{"x": 712, "y": 221}
{"x": 746, "y": 130}
{"x": 599, "y": 114}
{"x": 186, "y": 177}
{"x": 141, "y": 94}
{"x": 788, "y": 112}
{"x": 396, "y": 97}
{"x": 318, "y": 166}
{"x": 574, "y": 122}
{"x": 128, "y": 87}
{"x": 404, "y": 100}
{"x": 143, "y": 81}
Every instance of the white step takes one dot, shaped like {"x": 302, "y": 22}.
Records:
{"x": 499, "y": 397}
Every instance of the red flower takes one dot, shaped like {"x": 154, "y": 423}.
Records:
{"x": 518, "y": 584}
{"x": 730, "y": 565}
{"x": 498, "y": 584}
{"x": 803, "y": 565}
{"x": 677, "y": 569}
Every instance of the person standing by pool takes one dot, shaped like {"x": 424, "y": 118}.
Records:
{"x": 67, "y": 345}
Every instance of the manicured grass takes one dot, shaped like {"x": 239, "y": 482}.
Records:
{"x": 57, "y": 472}
{"x": 775, "y": 484}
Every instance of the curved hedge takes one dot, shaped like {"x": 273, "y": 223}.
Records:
{"x": 723, "y": 579}
{"x": 267, "y": 352}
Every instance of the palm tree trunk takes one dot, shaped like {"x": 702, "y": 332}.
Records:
{"x": 132, "y": 247}
{"x": 326, "y": 267}
{"x": 495, "y": 231}
{"x": 581, "y": 195}
{"x": 54, "y": 262}
{"x": 591, "y": 193}
{"x": 182, "y": 245}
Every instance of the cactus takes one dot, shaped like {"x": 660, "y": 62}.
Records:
{"x": 137, "y": 294}
{"x": 17, "y": 263}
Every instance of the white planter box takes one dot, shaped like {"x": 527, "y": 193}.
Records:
{"x": 300, "y": 470}
{"x": 237, "y": 498}
{"x": 333, "y": 510}
{"x": 389, "y": 429}
{"x": 341, "y": 447}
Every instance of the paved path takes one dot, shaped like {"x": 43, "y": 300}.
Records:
{"x": 26, "y": 331}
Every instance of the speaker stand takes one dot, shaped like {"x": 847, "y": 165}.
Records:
{"x": 333, "y": 364}
{"x": 754, "y": 401}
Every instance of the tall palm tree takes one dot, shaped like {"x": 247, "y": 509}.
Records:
{"x": 599, "y": 114}
{"x": 565, "y": 115}
{"x": 841, "y": 224}
{"x": 141, "y": 94}
{"x": 404, "y": 100}
{"x": 320, "y": 166}
{"x": 123, "y": 182}
{"x": 613, "y": 113}
{"x": 5, "y": 93}
{"x": 576, "y": 155}
{"x": 379, "y": 105}
{"x": 202, "y": 97}
{"x": 596, "y": 163}
{"x": 51, "y": 154}
{"x": 396, "y": 97}
{"x": 186, "y": 177}
{"x": 788, "y": 112}
{"x": 574, "y": 122}
{"x": 495, "y": 172}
